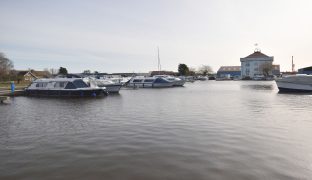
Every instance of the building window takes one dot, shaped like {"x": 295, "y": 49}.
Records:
{"x": 247, "y": 72}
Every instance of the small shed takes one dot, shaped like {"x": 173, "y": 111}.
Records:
{"x": 32, "y": 75}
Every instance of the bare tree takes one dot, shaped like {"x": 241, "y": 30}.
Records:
{"x": 266, "y": 68}
{"x": 47, "y": 72}
{"x": 86, "y": 72}
{"x": 53, "y": 71}
{"x": 205, "y": 69}
{"x": 192, "y": 71}
{"x": 6, "y": 65}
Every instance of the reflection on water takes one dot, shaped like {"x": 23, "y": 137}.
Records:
{"x": 258, "y": 85}
{"x": 206, "y": 130}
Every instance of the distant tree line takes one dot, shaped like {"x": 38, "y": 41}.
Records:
{"x": 7, "y": 72}
{"x": 184, "y": 70}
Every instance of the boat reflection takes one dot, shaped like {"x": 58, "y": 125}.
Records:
{"x": 258, "y": 86}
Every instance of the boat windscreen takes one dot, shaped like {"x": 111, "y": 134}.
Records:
{"x": 148, "y": 80}
{"x": 80, "y": 84}
{"x": 137, "y": 80}
{"x": 160, "y": 80}
{"x": 70, "y": 85}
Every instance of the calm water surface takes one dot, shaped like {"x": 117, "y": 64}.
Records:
{"x": 205, "y": 130}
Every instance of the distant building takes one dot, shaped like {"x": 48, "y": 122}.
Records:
{"x": 32, "y": 75}
{"x": 129, "y": 74}
{"x": 153, "y": 73}
{"x": 306, "y": 70}
{"x": 254, "y": 64}
{"x": 276, "y": 70}
{"x": 124, "y": 74}
{"x": 232, "y": 71}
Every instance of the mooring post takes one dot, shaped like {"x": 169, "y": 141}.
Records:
{"x": 12, "y": 87}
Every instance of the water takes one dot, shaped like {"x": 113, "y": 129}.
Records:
{"x": 206, "y": 130}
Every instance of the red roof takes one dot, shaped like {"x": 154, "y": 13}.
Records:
{"x": 257, "y": 54}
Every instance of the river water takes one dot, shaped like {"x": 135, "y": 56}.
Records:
{"x": 205, "y": 130}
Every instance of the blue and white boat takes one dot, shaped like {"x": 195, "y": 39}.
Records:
{"x": 176, "y": 81}
{"x": 149, "y": 82}
{"x": 63, "y": 87}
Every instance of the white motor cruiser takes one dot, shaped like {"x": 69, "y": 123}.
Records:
{"x": 111, "y": 86}
{"x": 295, "y": 83}
{"x": 63, "y": 87}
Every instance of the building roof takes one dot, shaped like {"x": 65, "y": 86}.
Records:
{"x": 21, "y": 73}
{"x": 257, "y": 54}
{"x": 33, "y": 73}
{"x": 306, "y": 69}
{"x": 229, "y": 68}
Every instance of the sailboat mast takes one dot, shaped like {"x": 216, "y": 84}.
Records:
{"x": 292, "y": 64}
{"x": 159, "y": 67}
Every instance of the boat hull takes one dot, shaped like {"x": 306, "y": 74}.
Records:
{"x": 179, "y": 83}
{"x": 66, "y": 93}
{"x": 151, "y": 85}
{"x": 112, "y": 88}
{"x": 293, "y": 87}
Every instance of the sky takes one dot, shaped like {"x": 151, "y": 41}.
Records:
{"x": 123, "y": 36}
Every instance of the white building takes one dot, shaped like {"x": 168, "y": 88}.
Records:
{"x": 256, "y": 64}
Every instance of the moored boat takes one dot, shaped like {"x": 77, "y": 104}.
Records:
{"x": 176, "y": 81}
{"x": 111, "y": 87}
{"x": 149, "y": 82}
{"x": 202, "y": 78}
{"x": 295, "y": 83}
{"x": 187, "y": 78}
{"x": 63, "y": 87}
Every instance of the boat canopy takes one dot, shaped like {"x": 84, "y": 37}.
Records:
{"x": 59, "y": 83}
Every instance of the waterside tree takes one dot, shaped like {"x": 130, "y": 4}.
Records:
{"x": 53, "y": 71}
{"x": 266, "y": 68}
{"x": 63, "y": 71}
{"x": 192, "y": 71}
{"x": 183, "y": 70}
{"x": 205, "y": 70}
{"x": 6, "y": 65}
{"x": 86, "y": 72}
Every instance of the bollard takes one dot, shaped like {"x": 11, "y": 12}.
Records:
{"x": 12, "y": 87}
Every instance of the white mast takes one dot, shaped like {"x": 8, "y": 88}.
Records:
{"x": 292, "y": 64}
{"x": 159, "y": 66}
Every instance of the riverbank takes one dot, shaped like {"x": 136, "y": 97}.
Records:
{"x": 5, "y": 89}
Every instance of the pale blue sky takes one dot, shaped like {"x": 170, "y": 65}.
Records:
{"x": 122, "y": 36}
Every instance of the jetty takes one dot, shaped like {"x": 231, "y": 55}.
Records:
{"x": 19, "y": 92}
{"x": 3, "y": 99}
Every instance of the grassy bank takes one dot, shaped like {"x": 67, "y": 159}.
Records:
{"x": 7, "y": 85}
